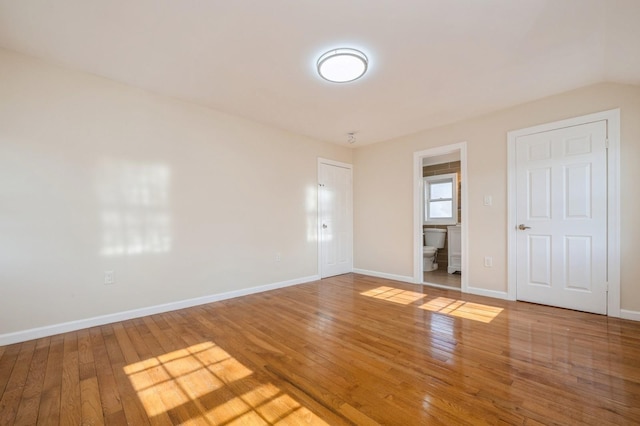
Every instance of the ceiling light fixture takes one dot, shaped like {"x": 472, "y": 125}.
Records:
{"x": 342, "y": 65}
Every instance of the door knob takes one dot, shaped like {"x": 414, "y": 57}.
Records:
{"x": 522, "y": 227}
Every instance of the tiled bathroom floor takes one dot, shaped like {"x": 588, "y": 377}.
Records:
{"x": 440, "y": 276}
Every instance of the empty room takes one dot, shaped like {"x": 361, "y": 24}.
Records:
{"x": 327, "y": 213}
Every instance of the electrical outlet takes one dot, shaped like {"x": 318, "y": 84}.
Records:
{"x": 109, "y": 277}
{"x": 278, "y": 257}
{"x": 488, "y": 262}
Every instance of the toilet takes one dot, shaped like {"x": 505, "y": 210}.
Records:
{"x": 433, "y": 239}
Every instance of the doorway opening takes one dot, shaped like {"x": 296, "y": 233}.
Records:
{"x": 440, "y": 217}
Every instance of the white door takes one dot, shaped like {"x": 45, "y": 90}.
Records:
{"x": 335, "y": 207}
{"x": 561, "y": 243}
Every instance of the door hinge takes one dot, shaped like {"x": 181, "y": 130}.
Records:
{"x": 607, "y": 287}
{"x": 606, "y": 143}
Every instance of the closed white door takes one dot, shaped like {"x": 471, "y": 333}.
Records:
{"x": 561, "y": 243}
{"x": 335, "y": 206}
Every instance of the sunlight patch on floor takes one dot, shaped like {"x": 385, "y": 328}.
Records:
{"x": 462, "y": 309}
{"x": 392, "y": 294}
{"x": 443, "y": 305}
{"x": 264, "y": 404}
{"x": 206, "y": 384}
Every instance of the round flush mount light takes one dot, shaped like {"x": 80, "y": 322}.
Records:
{"x": 342, "y": 65}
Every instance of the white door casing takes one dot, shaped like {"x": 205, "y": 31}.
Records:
{"x": 561, "y": 193}
{"x": 418, "y": 212}
{"x": 335, "y": 218}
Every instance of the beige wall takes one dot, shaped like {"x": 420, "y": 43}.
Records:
{"x": 179, "y": 200}
{"x": 383, "y": 188}
{"x": 182, "y": 201}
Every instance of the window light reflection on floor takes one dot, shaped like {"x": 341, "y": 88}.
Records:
{"x": 442, "y": 305}
{"x": 462, "y": 309}
{"x": 210, "y": 385}
{"x": 396, "y": 295}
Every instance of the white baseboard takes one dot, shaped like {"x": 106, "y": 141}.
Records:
{"x": 488, "y": 293}
{"x": 630, "y": 315}
{"x": 471, "y": 290}
{"x": 50, "y": 330}
{"x": 384, "y": 275}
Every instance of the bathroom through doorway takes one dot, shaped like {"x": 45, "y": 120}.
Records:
{"x": 440, "y": 227}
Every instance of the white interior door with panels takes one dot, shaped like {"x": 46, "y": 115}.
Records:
{"x": 561, "y": 217}
{"x": 335, "y": 221}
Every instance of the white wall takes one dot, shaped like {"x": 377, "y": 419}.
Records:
{"x": 383, "y": 187}
{"x": 179, "y": 200}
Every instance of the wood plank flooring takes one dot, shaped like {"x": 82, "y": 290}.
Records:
{"x": 345, "y": 350}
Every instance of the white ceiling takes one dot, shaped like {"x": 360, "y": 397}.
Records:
{"x": 431, "y": 61}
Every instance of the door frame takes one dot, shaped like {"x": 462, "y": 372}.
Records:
{"x": 319, "y": 209}
{"x": 418, "y": 209}
{"x": 613, "y": 200}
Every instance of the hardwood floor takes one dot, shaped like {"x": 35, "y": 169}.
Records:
{"x": 346, "y": 350}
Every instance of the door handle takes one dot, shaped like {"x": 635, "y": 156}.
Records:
{"x": 324, "y": 226}
{"x": 522, "y": 227}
